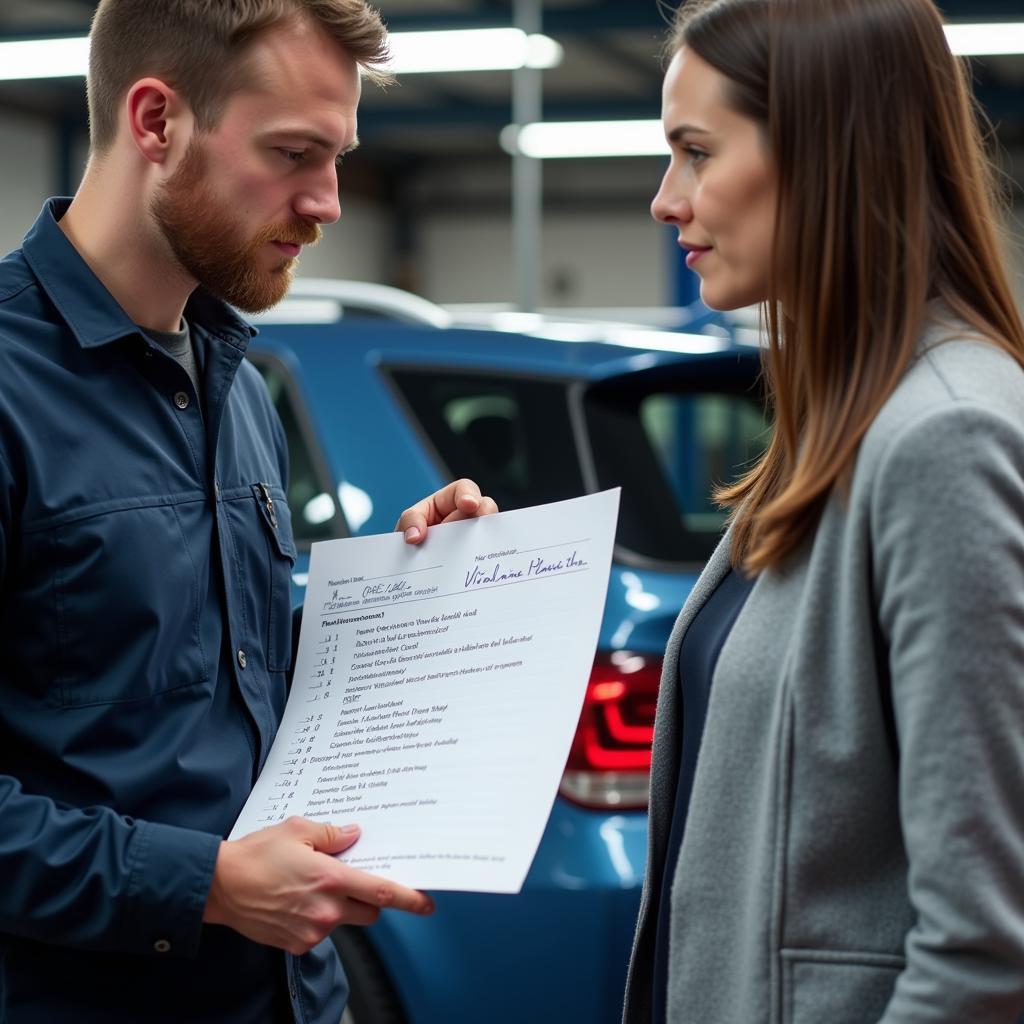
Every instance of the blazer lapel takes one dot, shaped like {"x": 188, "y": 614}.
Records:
{"x": 665, "y": 766}
{"x": 664, "y": 776}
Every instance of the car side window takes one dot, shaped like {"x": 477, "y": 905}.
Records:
{"x": 312, "y": 497}
{"x": 512, "y": 436}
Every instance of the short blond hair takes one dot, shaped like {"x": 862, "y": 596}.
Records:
{"x": 199, "y": 47}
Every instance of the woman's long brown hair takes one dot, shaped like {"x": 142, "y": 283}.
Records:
{"x": 886, "y": 201}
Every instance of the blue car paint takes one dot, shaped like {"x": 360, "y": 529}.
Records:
{"x": 557, "y": 951}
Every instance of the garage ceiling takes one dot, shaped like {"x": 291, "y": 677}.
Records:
{"x": 430, "y": 122}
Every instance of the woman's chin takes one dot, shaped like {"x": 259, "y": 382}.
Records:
{"x": 724, "y": 300}
{"x": 720, "y": 303}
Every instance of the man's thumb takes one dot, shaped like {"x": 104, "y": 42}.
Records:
{"x": 335, "y": 839}
{"x": 327, "y": 838}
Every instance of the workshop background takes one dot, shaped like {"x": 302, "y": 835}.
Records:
{"x": 431, "y": 201}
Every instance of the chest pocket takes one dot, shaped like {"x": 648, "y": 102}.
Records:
{"x": 263, "y": 554}
{"x": 126, "y": 603}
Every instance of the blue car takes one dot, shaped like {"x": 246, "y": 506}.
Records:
{"x": 383, "y": 402}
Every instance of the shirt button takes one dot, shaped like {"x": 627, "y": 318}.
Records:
{"x": 162, "y": 946}
{"x": 241, "y": 659}
{"x": 181, "y": 400}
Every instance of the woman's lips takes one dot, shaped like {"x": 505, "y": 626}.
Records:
{"x": 694, "y": 253}
{"x": 291, "y": 249}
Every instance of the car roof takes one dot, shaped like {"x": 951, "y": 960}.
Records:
{"x": 382, "y": 342}
{"x": 332, "y": 320}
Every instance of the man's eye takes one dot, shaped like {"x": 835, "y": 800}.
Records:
{"x": 294, "y": 156}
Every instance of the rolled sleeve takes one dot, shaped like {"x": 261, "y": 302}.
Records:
{"x": 171, "y": 870}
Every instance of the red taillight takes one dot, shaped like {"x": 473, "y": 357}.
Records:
{"x": 610, "y": 759}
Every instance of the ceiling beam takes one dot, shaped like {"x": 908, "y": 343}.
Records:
{"x": 497, "y": 115}
{"x": 599, "y": 17}
{"x": 981, "y": 10}
{"x": 648, "y": 72}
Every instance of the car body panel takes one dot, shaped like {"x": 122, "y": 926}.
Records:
{"x": 582, "y": 890}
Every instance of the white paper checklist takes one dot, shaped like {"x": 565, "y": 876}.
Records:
{"x": 437, "y": 689}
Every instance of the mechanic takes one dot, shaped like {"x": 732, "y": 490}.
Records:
{"x": 145, "y": 542}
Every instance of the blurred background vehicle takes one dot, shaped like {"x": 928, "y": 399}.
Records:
{"x": 382, "y": 401}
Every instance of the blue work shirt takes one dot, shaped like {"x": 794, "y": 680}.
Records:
{"x": 145, "y": 558}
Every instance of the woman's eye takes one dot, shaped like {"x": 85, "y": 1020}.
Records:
{"x": 694, "y": 155}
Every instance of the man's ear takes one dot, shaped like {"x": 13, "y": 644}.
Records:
{"x": 157, "y": 118}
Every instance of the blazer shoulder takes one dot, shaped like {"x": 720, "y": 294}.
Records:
{"x": 955, "y": 380}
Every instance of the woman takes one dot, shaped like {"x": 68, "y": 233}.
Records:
{"x": 848, "y": 848}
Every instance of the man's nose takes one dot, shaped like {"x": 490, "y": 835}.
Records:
{"x": 319, "y": 200}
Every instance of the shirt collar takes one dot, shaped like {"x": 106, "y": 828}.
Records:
{"x": 92, "y": 314}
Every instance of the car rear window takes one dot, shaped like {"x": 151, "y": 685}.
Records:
{"x": 700, "y": 440}
{"x": 666, "y": 437}
{"x": 668, "y": 450}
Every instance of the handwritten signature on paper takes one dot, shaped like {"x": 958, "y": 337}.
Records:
{"x": 478, "y": 577}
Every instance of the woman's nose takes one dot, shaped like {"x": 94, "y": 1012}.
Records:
{"x": 671, "y": 205}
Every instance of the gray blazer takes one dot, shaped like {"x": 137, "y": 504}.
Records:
{"x": 854, "y": 848}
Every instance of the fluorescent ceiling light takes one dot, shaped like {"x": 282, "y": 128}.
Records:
{"x": 986, "y": 39}
{"x": 567, "y": 139}
{"x": 44, "y": 58}
{"x": 489, "y": 49}
{"x": 493, "y": 49}
{"x": 581, "y": 139}
{"x": 474, "y": 49}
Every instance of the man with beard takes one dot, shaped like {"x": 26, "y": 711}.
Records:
{"x": 145, "y": 543}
